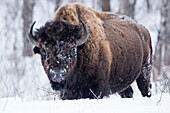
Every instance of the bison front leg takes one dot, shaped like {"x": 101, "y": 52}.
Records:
{"x": 98, "y": 91}
{"x": 143, "y": 81}
{"x": 127, "y": 93}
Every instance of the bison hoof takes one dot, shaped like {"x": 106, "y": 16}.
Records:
{"x": 148, "y": 93}
{"x": 126, "y": 96}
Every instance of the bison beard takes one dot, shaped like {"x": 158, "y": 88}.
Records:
{"x": 91, "y": 54}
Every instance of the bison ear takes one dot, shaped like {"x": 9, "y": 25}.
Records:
{"x": 36, "y": 50}
{"x": 84, "y": 36}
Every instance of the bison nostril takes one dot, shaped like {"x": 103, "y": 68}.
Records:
{"x": 56, "y": 77}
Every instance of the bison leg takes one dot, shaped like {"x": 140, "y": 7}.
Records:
{"x": 127, "y": 93}
{"x": 143, "y": 81}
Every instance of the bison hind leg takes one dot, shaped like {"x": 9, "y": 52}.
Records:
{"x": 144, "y": 85}
{"x": 127, "y": 93}
{"x": 143, "y": 81}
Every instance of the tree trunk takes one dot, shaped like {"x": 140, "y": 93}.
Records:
{"x": 58, "y": 3}
{"x": 27, "y": 15}
{"x": 148, "y": 5}
{"x": 127, "y": 7}
{"x": 105, "y": 5}
{"x": 162, "y": 51}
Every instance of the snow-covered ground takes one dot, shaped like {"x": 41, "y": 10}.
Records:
{"x": 114, "y": 104}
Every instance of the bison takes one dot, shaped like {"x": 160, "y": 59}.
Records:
{"x": 91, "y": 54}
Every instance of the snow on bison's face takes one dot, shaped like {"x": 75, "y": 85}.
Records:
{"x": 57, "y": 43}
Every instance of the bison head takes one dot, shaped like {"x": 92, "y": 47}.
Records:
{"x": 57, "y": 44}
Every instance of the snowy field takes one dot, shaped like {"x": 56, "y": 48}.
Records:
{"x": 114, "y": 104}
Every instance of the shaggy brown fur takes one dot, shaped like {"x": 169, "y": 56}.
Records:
{"x": 117, "y": 52}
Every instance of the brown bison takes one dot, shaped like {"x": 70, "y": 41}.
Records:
{"x": 91, "y": 54}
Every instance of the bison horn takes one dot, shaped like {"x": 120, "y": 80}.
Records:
{"x": 85, "y": 35}
{"x": 31, "y": 38}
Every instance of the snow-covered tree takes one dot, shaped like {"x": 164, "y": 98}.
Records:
{"x": 162, "y": 51}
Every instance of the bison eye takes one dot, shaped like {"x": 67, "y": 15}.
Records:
{"x": 73, "y": 52}
{"x": 43, "y": 53}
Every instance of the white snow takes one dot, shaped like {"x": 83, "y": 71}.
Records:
{"x": 114, "y": 104}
